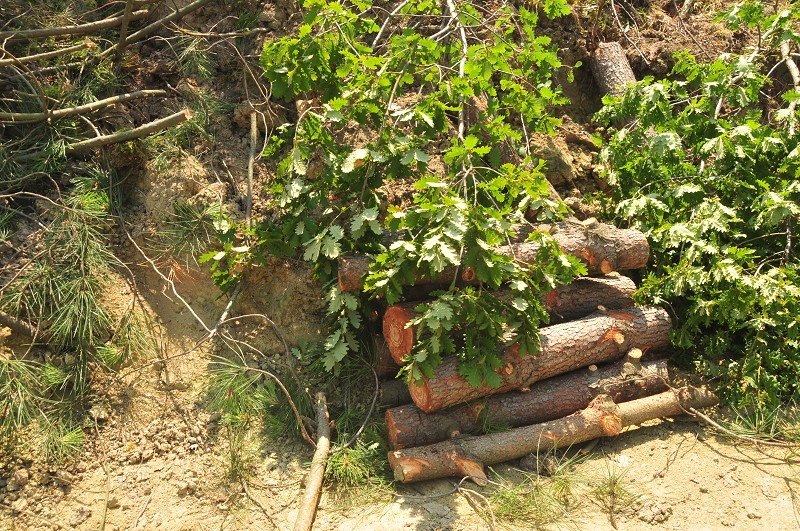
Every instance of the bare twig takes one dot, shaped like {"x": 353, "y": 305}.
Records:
{"x": 795, "y": 73}
{"x": 250, "y": 166}
{"x": 155, "y": 26}
{"x": 686, "y": 9}
{"x": 758, "y": 442}
{"x": 258, "y": 504}
{"x": 79, "y": 29}
{"x": 226, "y": 311}
{"x": 78, "y": 109}
{"x": 308, "y": 505}
{"x": 47, "y": 55}
{"x": 131, "y": 134}
{"x": 19, "y": 326}
{"x": 625, "y": 33}
{"x": 123, "y": 32}
{"x": 394, "y": 12}
{"x": 141, "y": 512}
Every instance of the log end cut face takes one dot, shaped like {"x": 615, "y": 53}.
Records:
{"x": 397, "y": 332}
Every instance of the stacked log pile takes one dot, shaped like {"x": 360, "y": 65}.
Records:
{"x": 576, "y": 388}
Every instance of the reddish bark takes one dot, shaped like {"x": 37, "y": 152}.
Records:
{"x": 407, "y": 426}
{"x": 601, "y": 247}
{"x": 572, "y": 301}
{"x": 466, "y": 456}
{"x": 600, "y": 337}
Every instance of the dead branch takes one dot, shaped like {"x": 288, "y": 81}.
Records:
{"x": 47, "y": 55}
{"x": 131, "y": 134}
{"x": 148, "y": 30}
{"x": 308, "y": 505}
{"x": 18, "y": 117}
{"x": 795, "y": 73}
{"x": 78, "y": 29}
{"x": 19, "y": 326}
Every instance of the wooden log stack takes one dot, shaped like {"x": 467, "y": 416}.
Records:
{"x": 559, "y": 396}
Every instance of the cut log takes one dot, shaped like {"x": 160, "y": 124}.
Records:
{"x": 394, "y": 393}
{"x": 611, "y": 69}
{"x": 384, "y": 363}
{"x": 603, "y": 248}
{"x": 600, "y": 337}
{"x": 466, "y": 456}
{"x": 564, "y": 303}
{"x": 408, "y": 426}
{"x": 308, "y": 504}
{"x": 353, "y": 269}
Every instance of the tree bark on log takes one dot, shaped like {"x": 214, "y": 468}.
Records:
{"x": 611, "y": 69}
{"x": 384, "y": 363}
{"x": 600, "y": 337}
{"x": 466, "y": 456}
{"x": 603, "y": 248}
{"x": 564, "y": 303}
{"x": 408, "y": 426}
{"x": 394, "y": 393}
{"x": 308, "y": 505}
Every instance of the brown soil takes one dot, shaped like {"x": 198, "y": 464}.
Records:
{"x": 156, "y": 459}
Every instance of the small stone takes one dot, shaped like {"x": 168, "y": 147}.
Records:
{"x": 98, "y": 413}
{"x": 147, "y": 454}
{"x": 183, "y": 488}
{"x": 21, "y": 476}
{"x": 19, "y": 505}
{"x": 754, "y": 515}
{"x": 704, "y": 490}
{"x": 80, "y": 516}
{"x": 113, "y": 503}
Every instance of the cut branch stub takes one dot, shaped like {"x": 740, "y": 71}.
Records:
{"x": 572, "y": 301}
{"x": 466, "y": 456}
{"x": 603, "y": 336}
{"x": 611, "y": 69}
{"x": 407, "y": 426}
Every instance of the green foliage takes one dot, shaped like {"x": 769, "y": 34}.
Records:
{"x": 707, "y": 166}
{"x": 410, "y": 91}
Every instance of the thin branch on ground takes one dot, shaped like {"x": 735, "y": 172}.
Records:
{"x": 79, "y": 29}
{"x": 258, "y": 504}
{"x": 78, "y": 109}
{"x": 308, "y": 505}
{"x": 47, "y": 55}
{"x": 625, "y": 33}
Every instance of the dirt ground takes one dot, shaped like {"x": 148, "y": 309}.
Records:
{"x": 158, "y": 459}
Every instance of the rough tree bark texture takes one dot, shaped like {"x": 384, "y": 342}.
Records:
{"x": 384, "y": 364}
{"x": 394, "y": 393}
{"x": 611, "y": 69}
{"x": 603, "y": 248}
{"x": 466, "y": 456}
{"x": 601, "y": 337}
{"x": 575, "y": 300}
{"x": 308, "y": 505}
{"x": 408, "y": 426}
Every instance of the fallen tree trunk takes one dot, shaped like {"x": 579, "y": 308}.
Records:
{"x": 600, "y": 337}
{"x": 564, "y": 303}
{"x": 408, "y": 426}
{"x": 611, "y": 69}
{"x": 603, "y": 248}
{"x": 308, "y": 504}
{"x": 466, "y": 456}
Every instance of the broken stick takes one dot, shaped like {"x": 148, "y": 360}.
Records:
{"x": 308, "y": 505}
